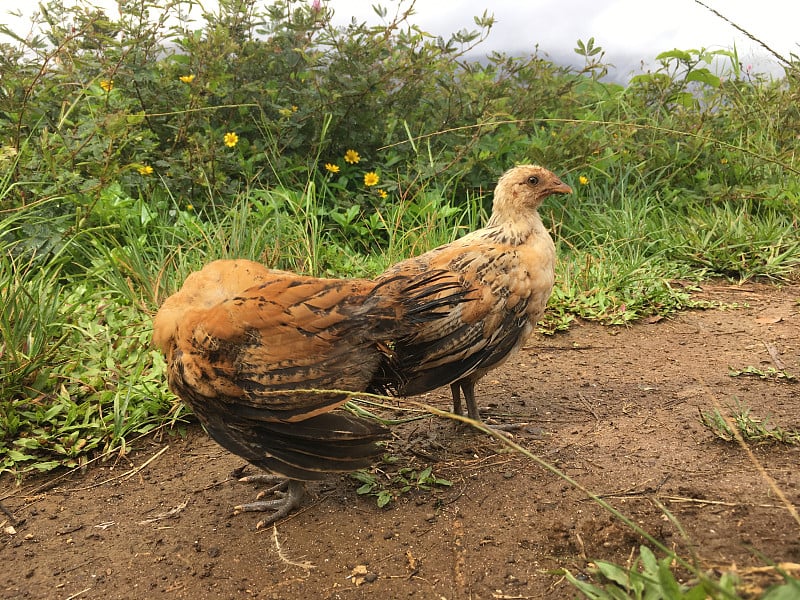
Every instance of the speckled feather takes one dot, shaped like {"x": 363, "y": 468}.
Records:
{"x": 236, "y": 350}
{"x": 507, "y": 272}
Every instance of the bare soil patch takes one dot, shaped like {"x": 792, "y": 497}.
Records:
{"x": 615, "y": 408}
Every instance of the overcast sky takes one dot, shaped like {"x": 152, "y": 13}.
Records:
{"x": 629, "y": 30}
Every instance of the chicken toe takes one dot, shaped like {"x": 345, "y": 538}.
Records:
{"x": 288, "y": 496}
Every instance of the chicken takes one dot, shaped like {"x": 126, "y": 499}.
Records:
{"x": 507, "y": 272}
{"x": 245, "y": 345}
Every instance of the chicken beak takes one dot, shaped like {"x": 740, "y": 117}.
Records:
{"x": 559, "y": 187}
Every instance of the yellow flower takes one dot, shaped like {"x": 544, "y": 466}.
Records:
{"x": 331, "y": 168}
{"x": 107, "y": 84}
{"x": 189, "y": 208}
{"x": 383, "y": 194}
{"x": 294, "y": 108}
{"x": 230, "y": 139}
{"x": 723, "y": 161}
{"x": 145, "y": 170}
{"x": 186, "y": 78}
{"x": 371, "y": 178}
{"x": 583, "y": 180}
{"x": 352, "y": 157}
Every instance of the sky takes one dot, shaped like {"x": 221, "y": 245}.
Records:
{"x": 630, "y": 31}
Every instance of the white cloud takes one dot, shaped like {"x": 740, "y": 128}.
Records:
{"x": 629, "y": 30}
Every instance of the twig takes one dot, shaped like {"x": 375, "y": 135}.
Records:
{"x": 715, "y": 502}
{"x": 774, "y": 355}
{"x": 746, "y": 33}
{"x": 632, "y": 492}
{"x": 166, "y": 515}
{"x": 784, "y": 566}
{"x": 581, "y": 546}
{"x": 759, "y": 467}
{"x": 303, "y": 565}
{"x": 122, "y": 476}
{"x": 546, "y": 348}
{"x": 78, "y": 594}
{"x": 589, "y": 408}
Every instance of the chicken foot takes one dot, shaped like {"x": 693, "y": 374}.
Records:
{"x": 467, "y": 386}
{"x": 289, "y": 493}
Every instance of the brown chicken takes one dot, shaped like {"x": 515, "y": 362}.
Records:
{"x": 507, "y": 272}
{"x": 240, "y": 339}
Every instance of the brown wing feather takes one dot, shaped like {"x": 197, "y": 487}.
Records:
{"x": 287, "y": 333}
{"x": 242, "y": 357}
{"x": 506, "y": 271}
{"x": 239, "y": 337}
{"x": 216, "y": 282}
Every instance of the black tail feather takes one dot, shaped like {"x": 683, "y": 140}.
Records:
{"x": 305, "y": 450}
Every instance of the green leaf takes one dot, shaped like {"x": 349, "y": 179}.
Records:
{"x": 18, "y": 456}
{"x": 648, "y": 560}
{"x": 47, "y": 465}
{"x": 613, "y": 573}
{"x": 681, "y": 55}
{"x": 703, "y": 75}
{"x": 788, "y": 591}
{"x": 685, "y": 99}
{"x": 28, "y": 443}
{"x": 424, "y": 475}
{"x": 669, "y": 585}
{"x": 589, "y": 590}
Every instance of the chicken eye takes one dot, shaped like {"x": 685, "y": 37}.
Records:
{"x": 533, "y": 180}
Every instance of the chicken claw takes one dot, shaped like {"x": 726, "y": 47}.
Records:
{"x": 289, "y": 492}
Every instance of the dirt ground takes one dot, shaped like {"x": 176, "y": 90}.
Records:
{"x": 617, "y": 409}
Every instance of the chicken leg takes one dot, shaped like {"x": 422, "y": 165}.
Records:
{"x": 467, "y": 386}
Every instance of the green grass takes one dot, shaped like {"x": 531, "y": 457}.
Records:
{"x": 651, "y": 578}
{"x": 752, "y": 429}
{"x": 80, "y": 378}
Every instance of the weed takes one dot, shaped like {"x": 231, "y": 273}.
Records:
{"x": 771, "y": 373}
{"x": 387, "y": 486}
{"x": 649, "y": 577}
{"x": 752, "y": 429}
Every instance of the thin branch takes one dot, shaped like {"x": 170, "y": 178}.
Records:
{"x": 746, "y": 33}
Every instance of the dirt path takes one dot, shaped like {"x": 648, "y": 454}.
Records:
{"x": 616, "y": 409}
